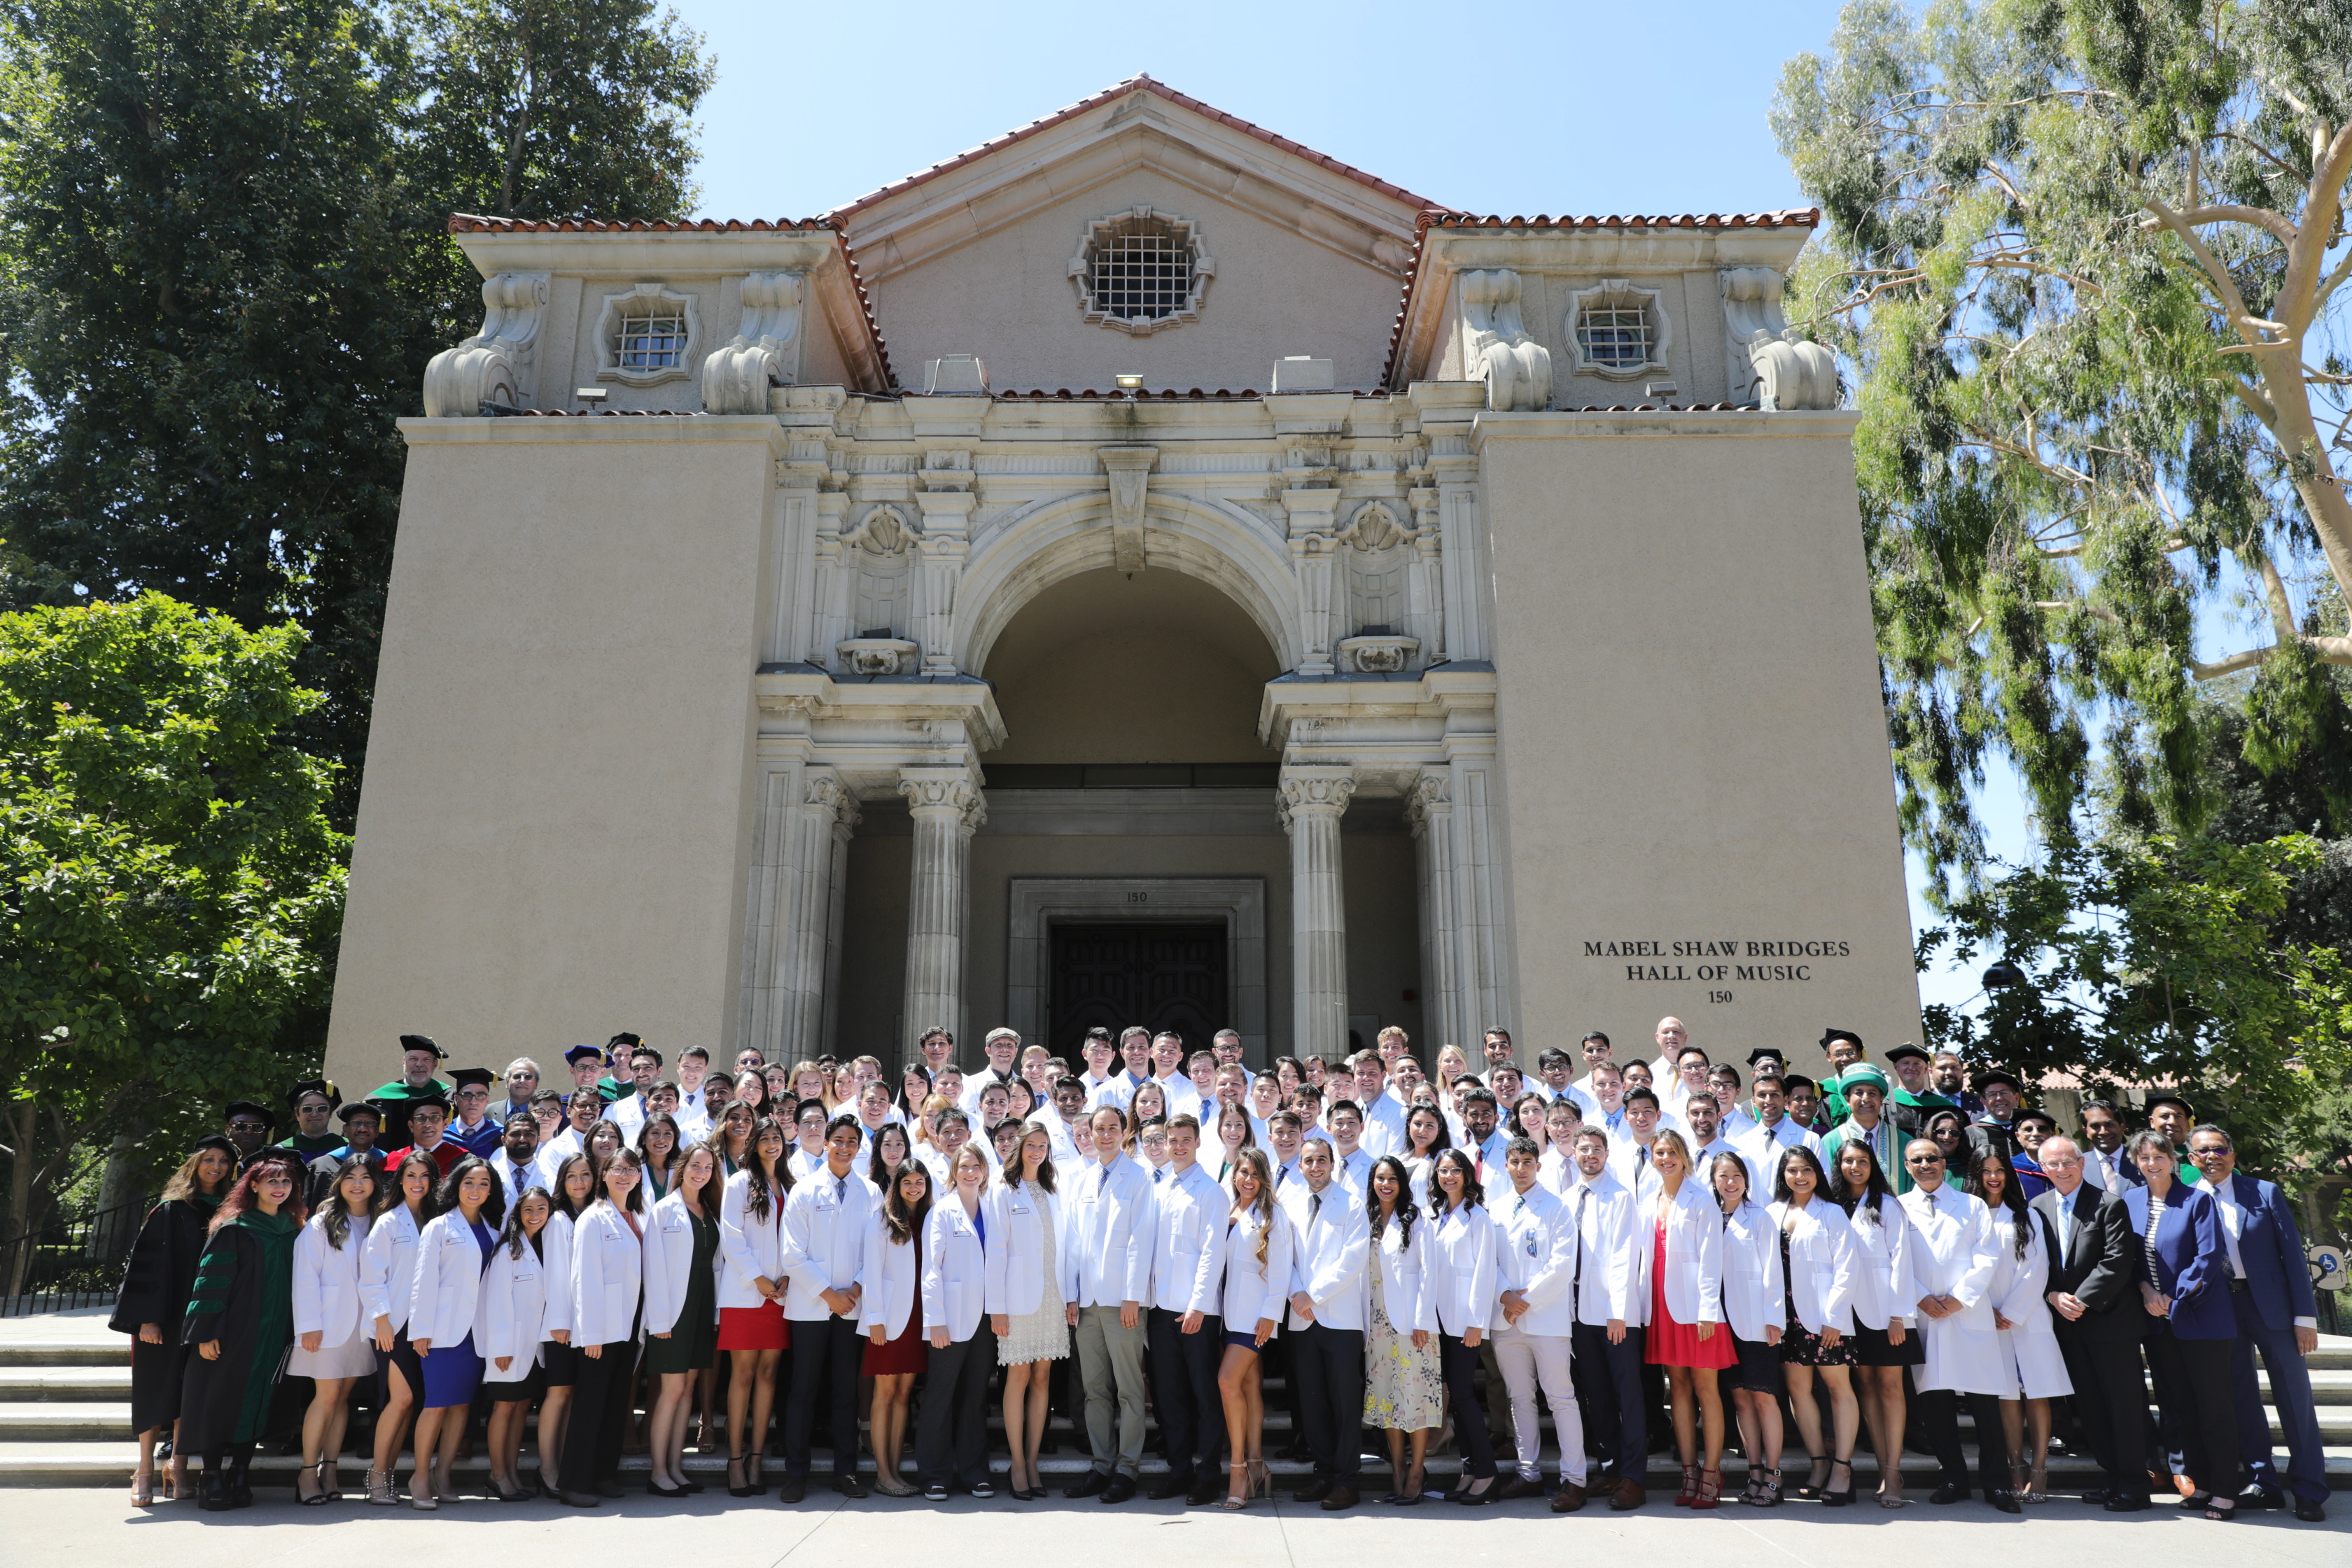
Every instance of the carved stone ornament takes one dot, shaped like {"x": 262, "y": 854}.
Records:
{"x": 1618, "y": 331}
{"x": 877, "y": 655}
{"x": 1377, "y": 655}
{"x": 641, "y": 302}
{"x": 1162, "y": 269}
{"x": 1793, "y": 373}
{"x": 1432, "y": 794}
{"x": 764, "y": 354}
{"x": 1498, "y": 348}
{"x": 494, "y": 366}
{"x": 1129, "y": 469}
{"x": 929, "y": 792}
{"x": 825, "y": 794}
{"x": 1322, "y": 792}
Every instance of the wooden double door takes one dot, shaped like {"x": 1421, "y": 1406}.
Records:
{"x": 1112, "y": 976}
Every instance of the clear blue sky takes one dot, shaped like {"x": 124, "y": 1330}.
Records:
{"x": 1502, "y": 107}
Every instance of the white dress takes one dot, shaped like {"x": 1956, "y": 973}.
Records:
{"x": 355, "y": 1356}
{"x": 2018, "y": 1287}
{"x": 1044, "y": 1335}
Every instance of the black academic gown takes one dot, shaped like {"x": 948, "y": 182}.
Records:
{"x": 155, "y": 1282}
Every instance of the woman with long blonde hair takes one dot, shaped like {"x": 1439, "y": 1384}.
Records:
{"x": 1258, "y": 1244}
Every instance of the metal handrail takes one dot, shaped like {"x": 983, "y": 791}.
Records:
{"x": 66, "y": 1263}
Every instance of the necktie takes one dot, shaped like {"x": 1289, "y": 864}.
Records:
{"x": 841, "y": 1189}
{"x": 1576, "y": 1282}
{"x": 1520, "y": 1205}
{"x": 1155, "y": 1175}
{"x": 1314, "y": 1206}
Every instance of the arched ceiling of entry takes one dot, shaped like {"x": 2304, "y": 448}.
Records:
{"x": 1149, "y": 667}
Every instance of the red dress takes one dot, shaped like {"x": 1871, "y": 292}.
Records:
{"x": 911, "y": 1351}
{"x": 1672, "y": 1343}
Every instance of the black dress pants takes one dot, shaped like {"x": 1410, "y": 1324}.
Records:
{"x": 1330, "y": 1366}
{"x": 951, "y": 1427}
{"x": 1458, "y": 1363}
{"x": 2202, "y": 1403}
{"x": 825, "y": 1354}
{"x": 1939, "y": 1412}
{"x": 2110, "y": 1400}
{"x": 1607, "y": 1379}
{"x": 1185, "y": 1392}
{"x": 598, "y": 1420}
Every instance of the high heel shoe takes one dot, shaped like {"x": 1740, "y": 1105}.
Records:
{"x": 1237, "y": 1499}
{"x": 380, "y": 1490}
{"x": 142, "y": 1489}
{"x": 1261, "y": 1479}
{"x": 1816, "y": 1473}
{"x": 1710, "y": 1489}
{"x": 1834, "y": 1496}
{"x": 317, "y": 1476}
{"x": 1767, "y": 1491}
{"x": 2037, "y": 1485}
{"x": 737, "y": 1483}
{"x": 1690, "y": 1487}
{"x": 1415, "y": 1484}
{"x": 1478, "y": 1494}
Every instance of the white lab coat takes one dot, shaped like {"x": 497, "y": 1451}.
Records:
{"x": 1952, "y": 1255}
{"x": 1255, "y": 1291}
{"x": 669, "y": 1264}
{"x": 1110, "y": 1214}
{"x": 1612, "y": 1266}
{"x": 1459, "y": 1268}
{"x": 823, "y": 1242}
{"x": 1404, "y": 1284}
{"x": 749, "y": 1247}
{"x": 514, "y": 1306}
{"x": 1884, "y": 1290}
{"x": 448, "y": 1285}
{"x": 1019, "y": 1219}
{"x": 555, "y": 1275}
{"x": 1694, "y": 1251}
{"x": 1535, "y": 1254}
{"x": 388, "y": 1267}
{"x": 893, "y": 1281}
{"x": 955, "y": 1271}
{"x": 2018, "y": 1287}
{"x": 1330, "y": 1252}
{"x": 1822, "y": 1267}
{"x": 327, "y": 1283}
{"x": 608, "y": 1271}
{"x": 1755, "y": 1291}
{"x": 1188, "y": 1252}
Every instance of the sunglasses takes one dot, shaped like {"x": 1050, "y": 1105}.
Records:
{"x": 1925, "y": 1159}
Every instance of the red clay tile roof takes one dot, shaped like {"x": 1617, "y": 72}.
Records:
{"x": 1140, "y": 84}
{"x": 470, "y": 223}
{"x": 1789, "y": 217}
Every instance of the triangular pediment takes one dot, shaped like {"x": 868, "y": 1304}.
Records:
{"x": 1139, "y": 124}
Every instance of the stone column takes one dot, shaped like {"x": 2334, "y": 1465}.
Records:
{"x": 814, "y": 917}
{"x": 844, "y": 828}
{"x": 1313, "y": 799}
{"x": 946, "y": 808}
{"x": 1430, "y": 810}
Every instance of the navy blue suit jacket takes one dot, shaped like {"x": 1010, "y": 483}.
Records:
{"x": 2270, "y": 1247}
{"x": 2192, "y": 1261}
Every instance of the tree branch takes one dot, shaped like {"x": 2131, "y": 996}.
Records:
{"x": 2277, "y": 223}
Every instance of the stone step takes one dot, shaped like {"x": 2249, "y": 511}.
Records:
{"x": 20, "y": 1384}
{"x": 112, "y": 1351}
{"x": 63, "y": 1421}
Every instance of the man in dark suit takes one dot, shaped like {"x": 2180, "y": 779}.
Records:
{"x": 2270, "y": 1287}
{"x": 2098, "y": 1314}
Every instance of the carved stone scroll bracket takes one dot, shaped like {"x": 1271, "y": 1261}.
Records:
{"x": 1129, "y": 471}
{"x": 1499, "y": 350}
{"x": 765, "y": 353}
{"x": 494, "y": 366}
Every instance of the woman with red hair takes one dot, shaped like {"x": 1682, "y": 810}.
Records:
{"x": 240, "y": 1320}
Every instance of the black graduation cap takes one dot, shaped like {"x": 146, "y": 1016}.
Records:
{"x": 466, "y": 1076}
{"x": 236, "y": 1108}
{"x": 576, "y": 1052}
{"x": 2002, "y": 1075}
{"x": 1790, "y": 1083}
{"x": 360, "y": 1108}
{"x": 213, "y": 1141}
{"x": 625, "y": 1038}
{"x": 1896, "y": 1053}
{"x": 422, "y": 1043}
{"x": 1846, "y": 1035}
{"x": 313, "y": 1086}
{"x": 431, "y": 1097}
{"x": 1767, "y": 1054}
{"x": 2162, "y": 1097}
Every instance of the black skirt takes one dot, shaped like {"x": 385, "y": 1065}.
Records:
{"x": 555, "y": 1364}
{"x": 1871, "y": 1348}
{"x": 1758, "y": 1371}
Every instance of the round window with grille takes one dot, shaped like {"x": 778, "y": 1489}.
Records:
{"x": 1140, "y": 270}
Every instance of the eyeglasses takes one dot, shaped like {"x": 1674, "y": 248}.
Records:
{"x": 1925, "y": 1159}
{"x": 248, "y": 1127}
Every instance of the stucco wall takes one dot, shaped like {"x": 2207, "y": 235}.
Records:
{"x": 552, "y": 827}
{"x": 1693, "y": 750}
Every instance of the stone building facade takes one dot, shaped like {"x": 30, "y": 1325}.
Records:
{"x": 1141, "y": 570}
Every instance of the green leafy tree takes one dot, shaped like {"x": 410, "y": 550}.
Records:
{"x": 171, "y": 889}
{"x": 2085, "y": 257}
{"x": 224, "y": 262}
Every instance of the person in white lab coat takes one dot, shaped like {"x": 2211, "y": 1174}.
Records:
{"x": 451, "y": 1254}
{"x": 1817, "y": 1254}
{"x": 952, "y": 1437}
{"x": 608, "y": 1269}
{"x": 1327, "y": 1323}
{"x": 683, "y": 1263}
{"x": 751, "y": 1288}
{"x": 1755, "y": 1296}
{"x": 1027, "y": 1311}
{"x": 2029, "y": 1340}
{"x": 559, "y": 1359}
{"x": 331, "y": 1342}
{"x": 1953, "y": 1260}
{"x": 824, "y": 1257}
{"x": 1535, "y": 1269}
{"x": 388, "y": 1270}
{"x": 1885, "y": 1341}
{"x": 1680, "y": 1231}
{"x": 1461, "y": 1271}
{"x": 1404, "y": 1389}
{"x": 1259, "y": 1240}
{"x": 892, "y": 1314}
{"x": 1612, "y": 1299}
{"x": 514, "y": 1313}
{"x": 1187, "y": 1341}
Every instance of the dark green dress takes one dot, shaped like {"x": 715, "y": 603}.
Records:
{"x": 693, "y": 1342}
{"x": 243, "y": 1297}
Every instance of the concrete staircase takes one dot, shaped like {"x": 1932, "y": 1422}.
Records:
{"x": 64, "y": 1421}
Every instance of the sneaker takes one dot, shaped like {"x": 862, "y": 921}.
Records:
{"x": 938, "y": 1493}
{"x": 982, "y": 1488}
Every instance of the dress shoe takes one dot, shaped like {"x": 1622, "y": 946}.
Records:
{"x": 1516, "y": 1485}
{"x": 2261, "y": 1497}
{"x": 581, "y": 1499}
{"x": 2124, "y": 1503}
{"x": 1297, "y": 1453}
{"x": 609, "y": 1489}
{"x": 2096, "y": 1495}
{"x": 2004, "y": 1500}
{"x": 791, "y": 1488}
{"x": 1315, "y": 1490}
{"x": 1568, "y": 1498}
{"x": 1118, "y": 1490}
{"x": 1204, "y": 1493}
{"x": 2311, "y": 1511}
{"x": 846, "y": 1483}
{"x": 1339, "y": 1499}
{"x": 1948, "y": 1494}
{"x": 1089, "y": 1484}
{"x": 214, "y": 1497}
{"x": 1169, "y": 1486}
{"x": 1628, "y": 1495}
